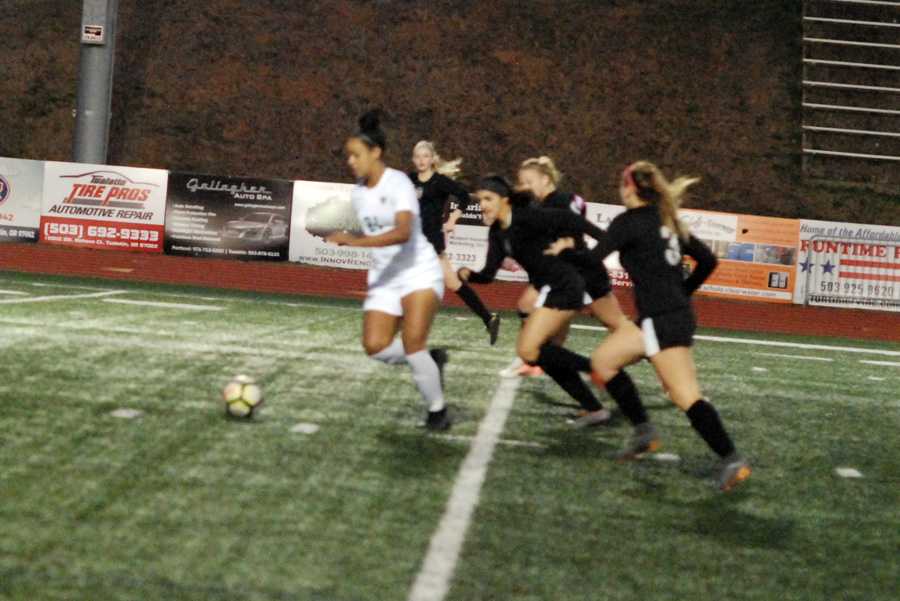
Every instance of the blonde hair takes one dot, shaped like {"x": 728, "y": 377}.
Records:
{"x": 451, "y": 169}
{"x": 652, "y": 187}
{"x": 545, "y": 166}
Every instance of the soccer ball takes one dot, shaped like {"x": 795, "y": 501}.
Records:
{"x": 242, "y": 396}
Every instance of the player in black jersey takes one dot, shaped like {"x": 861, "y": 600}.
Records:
{"x": 652, "y": 241}
{"x": 522, "y": 231}
{"x": 541, "y": 177}
{"x": 434, "y": 183}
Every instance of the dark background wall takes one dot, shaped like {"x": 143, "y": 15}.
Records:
{"x": 273, "y": 87}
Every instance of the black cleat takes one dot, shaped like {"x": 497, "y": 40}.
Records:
{"x": 438, "y": 421}
{"x": 440, "y": 357}
{"x": 493, "y": 327}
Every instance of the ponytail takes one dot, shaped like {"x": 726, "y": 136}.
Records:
{"x": 545, "y": 166}
{"x": 652, "y": 187}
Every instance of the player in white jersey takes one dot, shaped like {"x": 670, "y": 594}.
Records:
{"x": 406, "y": 282}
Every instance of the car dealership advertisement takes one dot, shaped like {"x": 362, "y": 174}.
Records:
{"x": 100, "y": 206}
{"x": 233, "y": 217}
{"x": 849, "y": 265}
{"x": 21, "y": 182}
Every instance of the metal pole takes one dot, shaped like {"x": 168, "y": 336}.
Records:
{"x": 95, "y": 79}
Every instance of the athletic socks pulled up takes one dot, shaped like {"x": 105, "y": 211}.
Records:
{"x": 557, "y": 363}
{"x": 474, "y": 303}
{"x": 392, "y": 354}
{"x": 427, "y": 377}
{"x": 623, "y": 391}
{"x": 705, "y": 420}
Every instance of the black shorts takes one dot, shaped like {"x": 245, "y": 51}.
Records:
{"x": 564, "y": 297}
{"x": 667, "y": 330}
{"x": 596, "y": 283}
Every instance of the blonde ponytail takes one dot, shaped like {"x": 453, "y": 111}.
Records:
{"x": 545, "y": 166}
{"x": 652, "y": 187}
{"x": 451, "y": 169}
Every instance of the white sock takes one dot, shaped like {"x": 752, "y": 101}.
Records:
{"x": 392, "y": 354}
{"x": 427, "y": 376}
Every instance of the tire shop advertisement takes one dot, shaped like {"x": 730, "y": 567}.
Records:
{"x": 21, "y": 183}
{"x": 99, "y": 206}
{"x": 228, "y": 217}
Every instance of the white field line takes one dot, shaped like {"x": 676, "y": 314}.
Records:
{"x": 314, "y": 305}
{"x": 164, "y": 305}
{"x": 433, "y": 581}
{"x": 13, "y": 293}
{"x": 883, "y": 363}
{"x": 798, "y": 357}
{"x": 58, "y": 297}
{"x": 504, "y": 441}
{"x": 755, "y": 341}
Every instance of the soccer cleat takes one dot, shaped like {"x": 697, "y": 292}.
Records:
{"x": 645, "y": 439}
{"x": 585, "y": 419}
{"x": 493, "y": 327}
{"x": 440, "y": 357}
{"x": 732, "y": 471}
{"x": 438, "y": 421}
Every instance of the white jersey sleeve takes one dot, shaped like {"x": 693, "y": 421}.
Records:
{"x": 376, "y": 209}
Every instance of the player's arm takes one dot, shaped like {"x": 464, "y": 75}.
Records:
{"x": 398, "y": 235}
{"x": 495, "y": 256}
{"x": 453, "y": 188}
{"x": 706, "y": 264}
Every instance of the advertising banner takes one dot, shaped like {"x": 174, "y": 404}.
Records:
{"x": 320, "y": 209}
{"x": 99, "y": 206}
{"x": 21, "y": 183}
{"x": 757, "y": 255}
{"x": 849, "y": 265}
{"x": 233, "y": 217}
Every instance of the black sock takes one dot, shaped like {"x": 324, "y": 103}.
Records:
{"x": 705, "y": 420}
{"x": 623, "y": 391}
{"x": 569, "y": 380}
{"x": 473, "y": 302}
{"x": 522, "y": 316}
{"x": 555, "y": 364}
{"x": 557, "y": 355}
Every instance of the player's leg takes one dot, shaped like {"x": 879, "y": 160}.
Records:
{"x": 379, "y": 337}
{"x": 525, "y": 306}
{"x": 419, "y": 309}
{"x": 676, "y": 369}
{"x": 470, "y": 298}
{"x": 535, "y": 347}
{"x": 621, "y": 348}
{"x": 608, "y": 311}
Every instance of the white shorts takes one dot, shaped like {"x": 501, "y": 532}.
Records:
{"x": 386, "y": 297}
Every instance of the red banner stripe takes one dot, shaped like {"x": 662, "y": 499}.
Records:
{"x": 851, "y": 275}
{"x": 864, "y": 263}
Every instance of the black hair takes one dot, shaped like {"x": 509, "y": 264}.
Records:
{"x": 496, "y": 184}
{"x": 370, "y": 132}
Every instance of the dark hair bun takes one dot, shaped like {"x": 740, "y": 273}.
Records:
{"x": 370, "y": 121}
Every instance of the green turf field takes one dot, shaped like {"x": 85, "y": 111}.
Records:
{"x": 180, "y": 503}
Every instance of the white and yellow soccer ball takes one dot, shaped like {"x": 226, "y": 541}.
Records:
{"x": 242, "y": 396}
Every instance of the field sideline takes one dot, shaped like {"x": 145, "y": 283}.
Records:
{"x": 122, "y": 480}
